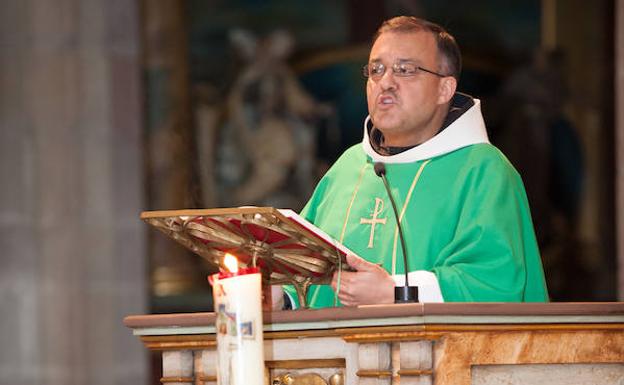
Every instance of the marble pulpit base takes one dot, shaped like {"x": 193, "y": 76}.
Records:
{"x": 442, "y": 344}
{"x": 530, "y": 374}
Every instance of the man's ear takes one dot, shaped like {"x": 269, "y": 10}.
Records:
{"x": 446, "y": 90}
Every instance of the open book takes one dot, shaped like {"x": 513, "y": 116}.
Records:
{"x": 287, "y": 248}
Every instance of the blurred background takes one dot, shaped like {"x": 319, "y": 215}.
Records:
{"x": 112, "y": 107}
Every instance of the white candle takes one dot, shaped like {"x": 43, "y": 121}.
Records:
{"x": 240, "y": 352}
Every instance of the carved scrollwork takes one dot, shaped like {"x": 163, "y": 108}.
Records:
{"x": 308, "y": 379}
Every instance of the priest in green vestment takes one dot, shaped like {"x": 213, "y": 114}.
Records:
{"x": 461, "y": 204}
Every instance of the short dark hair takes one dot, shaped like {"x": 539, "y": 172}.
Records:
{"x": 447, "y": 46}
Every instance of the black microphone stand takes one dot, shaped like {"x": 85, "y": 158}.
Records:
{"x": 406, "y": 293}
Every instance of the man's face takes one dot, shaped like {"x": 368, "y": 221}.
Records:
{"x": 407, "y": 110}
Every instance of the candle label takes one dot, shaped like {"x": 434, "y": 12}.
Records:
{"x": 227, "y": 324}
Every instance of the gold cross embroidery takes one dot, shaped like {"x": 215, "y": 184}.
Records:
{"x": 379, "y": 204}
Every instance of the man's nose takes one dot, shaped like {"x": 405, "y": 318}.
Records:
{"x": 388, "y": 80}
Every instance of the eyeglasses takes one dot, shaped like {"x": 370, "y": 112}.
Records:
{"x": 376, "y": 70}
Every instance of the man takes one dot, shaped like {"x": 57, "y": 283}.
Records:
{"x": 461, "y": 204}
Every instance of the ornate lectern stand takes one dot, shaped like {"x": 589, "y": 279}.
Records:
{"x": 442, "y": 344}
{"x": 284, "y": 246}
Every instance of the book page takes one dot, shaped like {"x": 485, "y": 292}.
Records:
{"x": 298, "y": 219}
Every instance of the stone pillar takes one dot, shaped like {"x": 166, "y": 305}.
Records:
{"x": 416, "y": 365}
{"x": 178, "y": 367}
{"x": 169, "y": 144}
{"x": 374, "y": 364}
{"x": 72, "y": 247}
{"x": 206, "y": 367}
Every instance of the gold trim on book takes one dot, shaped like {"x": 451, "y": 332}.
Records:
{"x": 207, "y": 378}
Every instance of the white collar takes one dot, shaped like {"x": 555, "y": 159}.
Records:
{"x": 468, "y": 129}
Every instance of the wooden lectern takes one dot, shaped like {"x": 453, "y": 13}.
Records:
{"x": 442, "y": 344}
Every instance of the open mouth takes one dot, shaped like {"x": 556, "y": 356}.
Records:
{"x": 386, "y": 100}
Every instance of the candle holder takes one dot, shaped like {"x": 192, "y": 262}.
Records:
{"x": 238, "y": 306}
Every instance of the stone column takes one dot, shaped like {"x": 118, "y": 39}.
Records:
{"x": 374, "y": 364}
{"x": 416, "y": 362}
{"x": 169, "y": 143}
{"x": 178, "y": 367}
{"x": 206, "y": 367}
{"x": 72, "y": 249}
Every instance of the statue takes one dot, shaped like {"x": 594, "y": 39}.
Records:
{"x": 266, "y": 151}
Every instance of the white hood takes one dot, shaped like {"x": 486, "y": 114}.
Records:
{"x": 467, "y": 129}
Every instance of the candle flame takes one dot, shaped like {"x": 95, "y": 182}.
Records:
{"x": 231, "y": 263}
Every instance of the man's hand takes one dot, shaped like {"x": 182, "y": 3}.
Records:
{"x": 370, "y": 284}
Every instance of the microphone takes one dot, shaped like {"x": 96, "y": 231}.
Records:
{"x": 407, "y": 293}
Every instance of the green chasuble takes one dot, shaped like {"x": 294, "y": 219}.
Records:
{"x": 464, "y": 214}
